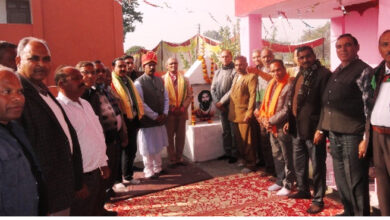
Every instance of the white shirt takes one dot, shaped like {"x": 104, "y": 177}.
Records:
{"x": 89, "y": 132}
{"x": 380, "y": 115}
{"x": 60, "y": 117}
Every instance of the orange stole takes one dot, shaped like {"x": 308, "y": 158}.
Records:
{"x": 269, "y": 103}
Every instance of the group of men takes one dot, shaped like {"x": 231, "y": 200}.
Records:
{"x": 279, "y": 118}
{"x": 64, "y": 155}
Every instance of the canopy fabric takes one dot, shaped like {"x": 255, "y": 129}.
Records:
{"x": 188, "y": 51}
{"x": 286, "y": 48}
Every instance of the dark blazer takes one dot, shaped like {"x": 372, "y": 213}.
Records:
{"x": 379, "y": 73}
{"x": 309, "y": 106}
{"x": 61, "y": 169}
{"x": 19, "y": 173}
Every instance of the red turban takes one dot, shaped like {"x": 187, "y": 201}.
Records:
{"x": 150, "y": 56}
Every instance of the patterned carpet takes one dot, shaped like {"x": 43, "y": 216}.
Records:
{"x": 235, "y": 195}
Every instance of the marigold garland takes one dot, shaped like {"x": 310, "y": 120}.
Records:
{"x": 204, "y": 69}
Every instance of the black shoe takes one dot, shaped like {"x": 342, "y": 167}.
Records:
{"x": 108, "y": 213}
{"x": 300, "y": 195}
{"x": 342, "y": 214}
{"x": 172, "y": 166}
{"x": 224, "y": 157}
{"x": 137, "y": 168}
{"x": 314, "y": 209}
{"x": 162, "y": 172}
{"x": 181, "y": 163}
{"x": 232, "y": 160}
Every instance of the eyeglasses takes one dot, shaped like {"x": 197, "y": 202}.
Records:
{"x": 100, "y": 71}
{"x": 88, "y": 72}
{"x": 36, "y": 58}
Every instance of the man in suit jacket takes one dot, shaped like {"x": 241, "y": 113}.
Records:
{"x": 241, "y": 107}
{"x": 304, "y": 113}
{"x": 51, "y": 134}
{"x": 180, "y": 96}
{"x": 378, "y": 124}
{"x": 273, "y": 115}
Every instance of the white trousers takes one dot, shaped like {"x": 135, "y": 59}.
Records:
{"x": 152, "y": 164}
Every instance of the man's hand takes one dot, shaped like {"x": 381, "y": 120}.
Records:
{"x": 246, "y": 119}
{"x": 362, "y": 149}
{"x": 105, "y": 172}
{"x": 219, "y": 106}
{"x": 285, "y": 128}
{"x": 256, "y": 113}
{"x": 82, "y": 193}
{"x": 317, "y": 137}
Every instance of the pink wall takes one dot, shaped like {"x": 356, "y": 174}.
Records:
{"x": 250, "y": 35}
{"x": 246, "y": 7}
{"x": 75, "y": 30}
{"x": 364, "y": 28}
{"x": 383, "y": 16}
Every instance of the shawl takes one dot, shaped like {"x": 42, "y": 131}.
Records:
{"x": 176, "y": 98}
{"x": 120, "y": 88}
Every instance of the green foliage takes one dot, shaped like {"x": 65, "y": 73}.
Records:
{"x": 213, "y": 34}
{"x": 134, "y": 49}
{"x": 130, "y": 15}
{"x": 322, "y": 52}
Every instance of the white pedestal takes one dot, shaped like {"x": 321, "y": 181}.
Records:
{"x": 203, "y": 142}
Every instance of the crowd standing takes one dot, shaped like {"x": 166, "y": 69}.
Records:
{"x": 66, "y": 155}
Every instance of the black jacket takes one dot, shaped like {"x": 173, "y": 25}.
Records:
{"x": 61, "y": 169}
{"x": 309, "y": 104}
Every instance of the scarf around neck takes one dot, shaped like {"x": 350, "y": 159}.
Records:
{"x": 176, "y": 97}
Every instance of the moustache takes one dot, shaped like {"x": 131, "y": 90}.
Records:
{"x": 40, "y": 69}
{"x": 81, "y": 85}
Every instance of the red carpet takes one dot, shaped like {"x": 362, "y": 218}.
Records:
{"x": 235, "y": 195}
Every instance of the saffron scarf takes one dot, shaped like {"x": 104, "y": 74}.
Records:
{"x": 176, "y": 98}
{"x": 119, "y": 87}
{"x": 268, "y": 106}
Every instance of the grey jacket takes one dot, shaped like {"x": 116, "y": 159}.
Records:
{"x": 281, "y": 112}
{"x": 222, "y": 82}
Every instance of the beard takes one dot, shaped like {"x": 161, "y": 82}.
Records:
{"x": 205, "y": 105}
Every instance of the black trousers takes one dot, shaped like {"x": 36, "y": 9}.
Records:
{"x": 266, "y": 148}
{"x": 129, "y": 152}
{"x": 381, "y": 145}
{"x": 351, "y": 173}
{"x": 86, "y": 207}
{"x": 303, "y": 150}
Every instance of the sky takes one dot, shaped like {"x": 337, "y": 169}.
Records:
{"x": 177, "y": 20}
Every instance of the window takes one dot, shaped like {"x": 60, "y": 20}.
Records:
{"x": 18, "y": 11}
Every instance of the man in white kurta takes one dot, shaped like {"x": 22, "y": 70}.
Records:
{"x": 152, "y": 136}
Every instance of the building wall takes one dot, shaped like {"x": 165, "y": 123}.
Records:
{"x": 3, "y": 13}
{"x": 364, "y": 28}
{"x": 74, "y": 29}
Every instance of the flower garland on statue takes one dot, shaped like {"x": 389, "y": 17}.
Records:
{"x": 204, "y": 69}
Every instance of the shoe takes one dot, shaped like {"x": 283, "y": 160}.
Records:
{"x": 108, "y": 213}
{"x": 232, "y": 160}
{"x": 119, "y": 187}
{"x": 313, "y": 209}
{"x": 162, "y": 172}
{"x": 264, "y": 174}
{"x": 272, "y": 179}
{"x": 240, "y": 163}
{"x": 132, "y": 181}
{"x": 283, "y": 192}
{"x": 300, "y": 195}
{"x": 137, "y": 168}
{"x": 223, "y": 157}
{"x": 153, "y": 177}
{"x": 274, "y": 187}
{"x": 172, "y": 166}
{"x": 181, "y": 163}
{"x": 341, "y": 214}
{"x": 246, "y": 170}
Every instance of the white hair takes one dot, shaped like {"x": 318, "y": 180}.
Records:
{"x": 23, "y": 43}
